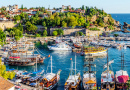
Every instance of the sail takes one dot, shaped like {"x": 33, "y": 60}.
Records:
{"x": 109, "y": 63}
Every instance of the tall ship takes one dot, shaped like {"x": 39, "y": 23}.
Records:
{"x": 50, "y": 80}
{"x": 107, "y": 77}
{"x": 94, "y": 51}
{"x": 89, "y": 77}
{"x": 122, "y": 76}
{"x": 22, "y": 54}
{"x": 74, "y": 80}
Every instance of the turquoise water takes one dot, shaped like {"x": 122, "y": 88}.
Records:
{"x": 61, "y": 60}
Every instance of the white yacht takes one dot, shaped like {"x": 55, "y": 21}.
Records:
{"x": 60, "y": 46}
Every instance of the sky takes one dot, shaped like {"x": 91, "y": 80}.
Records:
{"x": 109, "y": 6}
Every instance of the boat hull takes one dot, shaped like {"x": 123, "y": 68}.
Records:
{"x": 59, "y": 49}
{"x": 101, "y": 53}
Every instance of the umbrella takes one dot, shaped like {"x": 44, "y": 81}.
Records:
{"x": 32, "y": 84}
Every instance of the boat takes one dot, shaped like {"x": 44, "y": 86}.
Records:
{"x": 89, "y": 77}
{"x": 77, "y": 44}
{"x": 122, "y": 76}
{"x": 94, "y": 51}
{"x": 22, "y": 54}
{"x": 60, "y": 47}
{"x": 50, "y": 80}
{"x": 74, "y": 80}
{"x": 107, "y": 77}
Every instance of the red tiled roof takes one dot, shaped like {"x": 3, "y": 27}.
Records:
{"x": 5, "y": 84}
{"x": 31, "y": 14}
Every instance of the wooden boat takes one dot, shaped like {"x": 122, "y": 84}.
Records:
{"x": 122, "y": 77}
{"x": 89, "y": 77}
{"x": 94, "y": 51}
{"x": 77, "y": 45}
{"x": 74, "y": 81}
{"x": 50, "y": 80}
{"x": 107, "y": 77}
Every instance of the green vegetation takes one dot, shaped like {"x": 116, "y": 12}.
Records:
{"x": 44, "y": 33}
{"x": 4, "y": 73}
{"x": 55, "y": 20}
{"x": 37, "y": 35}
{"x": 79, "y": 34}
{"x": 116, "y": 35}
{"x": 16, "y": 32}
{"x": 111, "y": 27}
{"x": 2, "y": 37}
{"x": 54, "y": 33}
{"x": 94, "y": 29}
{"x": 30, "y": 27}
{"x": 59, "y": 31}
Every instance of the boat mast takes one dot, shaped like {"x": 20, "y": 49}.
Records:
{"x": 51, "y": 64}
{"x": 75, "y": 64}
{"x": 107, "y": 64}
{"x": 36, "y": 63}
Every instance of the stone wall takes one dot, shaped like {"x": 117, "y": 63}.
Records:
{"x": 94, "y": 33}
{"x": 69, "y": 31}
{"x": 6, "y": 24}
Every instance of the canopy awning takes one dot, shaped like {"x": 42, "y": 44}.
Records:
{"x": 90, "y": 82}
{"x": 123, "y": 78}
{"x": 14, "y": 57}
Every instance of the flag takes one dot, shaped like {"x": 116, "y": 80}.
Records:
{"x": 49, "y": 55}
{"x": 70, "y": 58}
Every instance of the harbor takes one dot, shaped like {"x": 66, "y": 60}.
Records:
{"x": 61, "y": 57}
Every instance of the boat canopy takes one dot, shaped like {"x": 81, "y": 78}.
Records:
{"x": 90, "y": 82}
{"x": 123, "y": 78}
{"x": 14, "y": 57}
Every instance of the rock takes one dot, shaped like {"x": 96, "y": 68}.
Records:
{"x": 116, "y": 23}
{"x": 126, "y": 25}
{"x": 105, "y": 19}
{"x": 106, "y": 29}
{"x": 126, "y": 31}
{"x": 93, "y": 19}
{"x": 118, "y": 28}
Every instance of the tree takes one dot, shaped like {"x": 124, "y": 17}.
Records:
{"x": 30, "y": 27}
{"x": 4, "y": 73}
{"x": 82, "y": 7}
{"x": 44, "y": 24}
{"x": 45, "y": 33}
{"x": 72, "y": 21}
{"x": 17, "y": 38}
{"x": 64, "y": 24}
{"x": 54, "y": 33}
{"x": 37, "y": 35}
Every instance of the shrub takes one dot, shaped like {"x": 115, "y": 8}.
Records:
{"x": 81, "y": 33}
{"x": 37, "y": 35}
{"x": 54, "y": 33}
{"x": 44, "y": 33}
{"x": 59, "y": 31}
{"x": 94, "y": 29}
{"x": 116, "y": 35}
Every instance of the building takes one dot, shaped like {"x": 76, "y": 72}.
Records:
{"x": 6, "y": 85}
{"x": 65, "y": 7}
{"x": 13, "y": 8}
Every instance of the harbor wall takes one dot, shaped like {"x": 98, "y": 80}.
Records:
{"x": 7, "y": 24}
{"x": 94, "y": 33}
{"x": 69, "y": 31}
